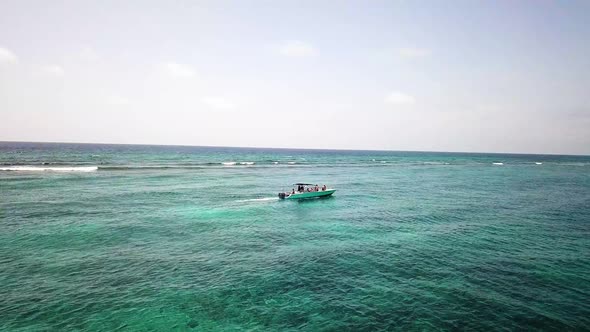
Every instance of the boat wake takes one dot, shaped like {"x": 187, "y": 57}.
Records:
{"x": 264, "y": 199}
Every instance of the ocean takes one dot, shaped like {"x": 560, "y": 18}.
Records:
{"x": 157, "y": 238}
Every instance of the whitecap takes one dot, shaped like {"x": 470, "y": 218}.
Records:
{"x": 247, "y": 163}
{"x": 538, "y": 163}
{"x": 229, "y": 163}
{"x": 498, "y": 164}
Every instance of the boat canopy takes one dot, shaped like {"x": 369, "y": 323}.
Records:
{"x": 303, "y": 184}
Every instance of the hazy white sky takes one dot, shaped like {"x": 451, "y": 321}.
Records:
{"x": 490, "y": 76}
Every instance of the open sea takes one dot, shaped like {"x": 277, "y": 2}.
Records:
{"x": 157, "y": 238}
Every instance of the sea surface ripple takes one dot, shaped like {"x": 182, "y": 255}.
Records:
{"x": 115, "y": 237}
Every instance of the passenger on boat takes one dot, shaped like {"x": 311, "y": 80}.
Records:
{"x": 317, "y": 188}
{"x": 324, "y": 188}
{"x": 293, "y": 192}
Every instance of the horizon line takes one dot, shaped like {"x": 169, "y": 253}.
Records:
{"x": 305, "y": 149}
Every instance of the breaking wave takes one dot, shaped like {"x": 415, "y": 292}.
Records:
{"x": 49, "y": 169}
{"x": 63, "y": 166}
{"x": 233, "y": 163}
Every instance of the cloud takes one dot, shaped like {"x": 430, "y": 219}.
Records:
{"x": 411, "y": 52}
{"x": 88, "y": 54}
{"x": 296, "y": 48}
{"x": 398, "y": 98}
{"x": 53, "y": 70}
{"x": 217, "y": 102}
{"x": 178, "y": 70}
{"x": 118, "y": 101}
{"x": 7, "y": 57}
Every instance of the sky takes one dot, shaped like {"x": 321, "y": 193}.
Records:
{"x": 472, "y": 76}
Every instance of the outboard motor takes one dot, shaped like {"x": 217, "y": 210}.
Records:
{"x": 282, "y": 195}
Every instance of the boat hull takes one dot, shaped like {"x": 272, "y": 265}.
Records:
{"x": 311, "y": 194}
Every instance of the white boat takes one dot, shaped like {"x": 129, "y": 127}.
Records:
{"x": 306, "y": 190}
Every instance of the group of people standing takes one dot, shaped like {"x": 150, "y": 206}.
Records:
{"x": 302, "y": 188}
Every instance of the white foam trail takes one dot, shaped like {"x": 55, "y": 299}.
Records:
{"x": 499, "y": 164}
{"x": 538, "y": 163}
{"x": 49, "y": 169}
{"x": 265, "y": 199}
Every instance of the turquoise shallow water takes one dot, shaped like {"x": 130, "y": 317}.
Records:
{"x": 161, "y": 238}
